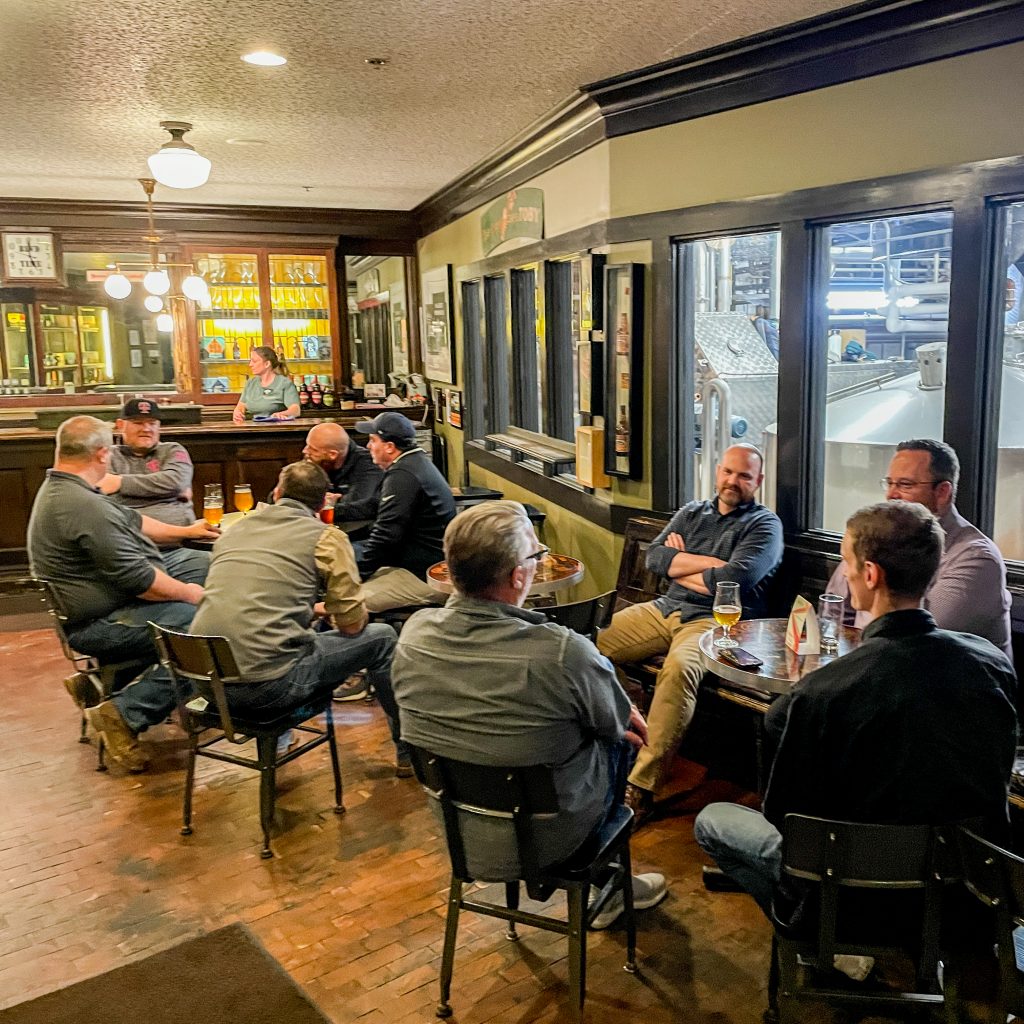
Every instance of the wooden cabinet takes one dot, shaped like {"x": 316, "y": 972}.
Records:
{"x": 285, "y": 299}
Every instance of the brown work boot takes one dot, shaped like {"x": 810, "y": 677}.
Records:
{"x": 641, "y": 802}
{"x": 83, "y": 690}
{"x": 119, "y": 740}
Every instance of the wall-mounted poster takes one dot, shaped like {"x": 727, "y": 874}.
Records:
{"x": 30, "y": 256}
{"x": 438, "y": 342}
{"x": 455, "y": 408}
{"x": 399, "y": 329}
{"x": 623, "y": 452}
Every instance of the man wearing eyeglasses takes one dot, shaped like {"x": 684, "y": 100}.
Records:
{"x": 969, "y": 591}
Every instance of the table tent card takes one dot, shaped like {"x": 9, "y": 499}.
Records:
{"x": 802, "y": 633}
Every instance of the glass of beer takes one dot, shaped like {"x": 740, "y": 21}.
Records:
{"x": 727, "y": 610}
{"x": 213, "y": 504}
{"x": 243, "y": 498}
{"x": 327, "y": 512}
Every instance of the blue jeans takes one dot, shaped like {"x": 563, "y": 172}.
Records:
{"x": 745, "y": 845}
{"x": 125, "y": 635}
{"x": 333, "y": 657}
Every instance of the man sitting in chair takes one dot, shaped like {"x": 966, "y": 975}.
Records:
{"x": 485, "y": 681}
{"x": 914, "y": 727}
{"x": 261, "y": 593}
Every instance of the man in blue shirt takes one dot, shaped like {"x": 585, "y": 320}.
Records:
{"x": 730, "y": 538}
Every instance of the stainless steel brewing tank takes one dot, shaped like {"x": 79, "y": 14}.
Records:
{"x": 861, "y": 434}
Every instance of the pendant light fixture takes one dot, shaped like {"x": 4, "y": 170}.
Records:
{"x": 177, "y": 164}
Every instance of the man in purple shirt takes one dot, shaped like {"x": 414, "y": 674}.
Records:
{"x": 969, "y": 592}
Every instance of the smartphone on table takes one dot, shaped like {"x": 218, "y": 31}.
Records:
{"x": 740, "y": 658}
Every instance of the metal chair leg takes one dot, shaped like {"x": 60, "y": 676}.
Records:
{"x": 577, "y": 898}
{"x": 267, "y": 750}
{"x": 82, "y": 737}
{"x": 451, "y": 931}
{"x": 339, "y": 806}
{"x": 100, "y": 748}
{"x": 629, "y": 912}
{"x": 190, "y": 780}
{"x": 512, "y": 902}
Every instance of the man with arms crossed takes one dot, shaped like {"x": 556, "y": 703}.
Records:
{"x": 261, "y": 593}
{"x": 969, "y": 591}
{"x": 485, "y": 681}
{"x": 730, "y": 538}
{"x": 912, "y": 727}
{"x": 110, "y": 580}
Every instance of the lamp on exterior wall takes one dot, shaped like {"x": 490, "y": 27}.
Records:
{"x": 176, "y": 164}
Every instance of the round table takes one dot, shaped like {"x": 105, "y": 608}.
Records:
{"x": 554, "y": 573}
{"x": 766, "y": 639}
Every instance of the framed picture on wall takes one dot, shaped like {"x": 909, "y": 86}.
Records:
{"x": 438, "y": 337}
{"x": 623, "y": 383}
{"x": 399, "y": 329}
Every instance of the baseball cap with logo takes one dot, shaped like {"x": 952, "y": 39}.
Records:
{"x": 389, "y": 426}
{"x": 140, "y": 409}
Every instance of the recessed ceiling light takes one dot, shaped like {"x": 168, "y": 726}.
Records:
{"x": 377, "y": 62}
{"x": 246, "y": 142}
{"x": 265, "y": 59}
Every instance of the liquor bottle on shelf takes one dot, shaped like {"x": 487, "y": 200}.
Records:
{"x": 316, "y": 396}
{"x": 304, "y": 398}
{"x": 622, "y": 433}
{"x": 297, "y": 351}
{"x": 622, "y": 336}
{"x": 236, "y": 352}
{"x": 329, "y": 396}
{"x": 279, "y": 351}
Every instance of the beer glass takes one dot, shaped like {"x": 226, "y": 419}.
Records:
{"x": 327, "y": 512}
{"x": 213, "y": 504}
{"x": 830, "y": 621}
{"x": 243, "y": 498}
{"x": 727, "y": 610}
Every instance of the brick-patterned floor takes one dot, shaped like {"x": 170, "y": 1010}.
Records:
{"x": 93, "y": 873}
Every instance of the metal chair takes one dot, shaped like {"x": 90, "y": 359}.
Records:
{"x": 585, "y": 617}
{"x": 996, "y": 877}
{"x": 206, "y": 664}
{"x": 519, "y": 796}
{"x": 868, "y": 890}
{"x": 94, "y": 680}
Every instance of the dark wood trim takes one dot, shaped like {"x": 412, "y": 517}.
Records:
{"x": 72, "y": 215}
{"x": 578, "y": 240}
{"x": 868, "y": 39}
{"x": 572, "y": 127}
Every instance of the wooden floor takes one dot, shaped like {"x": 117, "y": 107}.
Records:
{"x": 93, "y": 873}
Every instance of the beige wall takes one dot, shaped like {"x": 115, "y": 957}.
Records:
{"x": 953, "y": 111}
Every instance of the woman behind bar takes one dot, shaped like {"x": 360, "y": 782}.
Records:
{"x": 269, "y": 391}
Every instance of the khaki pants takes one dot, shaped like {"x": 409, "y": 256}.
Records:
{"x": 398, "y": 588}
{"x": 638, "y": 633}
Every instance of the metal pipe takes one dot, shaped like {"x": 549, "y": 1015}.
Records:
{"x": 715, "y": 434}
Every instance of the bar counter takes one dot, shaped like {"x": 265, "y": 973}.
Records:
{"x": 222, "y": 452}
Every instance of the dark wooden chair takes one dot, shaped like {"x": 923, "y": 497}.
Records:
{"x": 585, "y": 617}
{"x": 519, "y": 796}
{"x": 94, "y": 680}
{"x": 996, "y": 877}
{"x": 866, "y": 890}
{"x": 206, "y": 665}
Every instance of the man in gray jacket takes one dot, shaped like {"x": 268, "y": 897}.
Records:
{"x": 146, "y": 473}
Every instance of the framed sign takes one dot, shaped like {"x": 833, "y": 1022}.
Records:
{"x": 399, "y": 329}
{"x": 438, "y": 339}
{"x": 623, "y": 383}
{"x": 30, "y": 256}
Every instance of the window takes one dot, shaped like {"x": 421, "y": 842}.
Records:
{"x": 730, "y": 317}
{"x": 1009, "y": 285}
{"x": 883, "y": 310}
{"x": 378, "y": 318}
{"x": 561, "y": 378}
{"x": 495, "y": 350}
{"x": 475, "y": 411}
{"x": 526, "y": 379}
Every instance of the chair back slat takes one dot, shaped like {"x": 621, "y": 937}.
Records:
{"x": 50, "y": 601}
{"x": 584, "y": 617}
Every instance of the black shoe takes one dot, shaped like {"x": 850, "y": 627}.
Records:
{"x": 403, "y": 767}
{"x": 716, "y": 880}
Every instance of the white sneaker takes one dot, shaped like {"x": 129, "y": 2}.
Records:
{"x": 285, "y": 742}
{"x": 648, "y": 891}
{"x": 855, "y": 967}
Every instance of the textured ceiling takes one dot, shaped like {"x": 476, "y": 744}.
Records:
{"x": 84, "y": 84}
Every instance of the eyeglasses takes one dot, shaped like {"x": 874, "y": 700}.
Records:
{"x": 538, "y": 554}
{"x": 905, "y": 485}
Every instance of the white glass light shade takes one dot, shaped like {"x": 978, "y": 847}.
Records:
{"x": 195, "y": 288}
{"x": 156, "y": 282}
{"x": 265, "y": 59}
{"x": 153, "y": 303}
{"x": 117, "y": 286}
{"x": 179, "y": 167}
{"x": 165, "y": 323}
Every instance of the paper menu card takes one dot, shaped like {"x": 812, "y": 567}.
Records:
{"x": 802, "y": 633}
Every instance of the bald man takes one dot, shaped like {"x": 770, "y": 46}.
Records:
{"x": 355, "y": 480}
{"x": 727, "y": 539}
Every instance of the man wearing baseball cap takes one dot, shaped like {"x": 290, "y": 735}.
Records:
{"x": 146, "y": 473}
{"x": 416, "y": 505}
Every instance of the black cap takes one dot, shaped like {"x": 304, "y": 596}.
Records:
{"x": 389, "y": 426}
{"x": 140, "y": 409}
